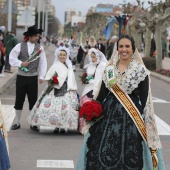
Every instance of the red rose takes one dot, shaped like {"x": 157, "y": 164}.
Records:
{"x": 90, "y": 110}
{"x": 39, "y": 51}
{"x": 83, "y": 78}
{"x": 55, "y": 79}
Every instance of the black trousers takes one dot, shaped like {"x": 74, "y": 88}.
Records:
{"x": 26, "y": 85}
{"x": 2, "y": 62}
{"x": 7, "y": 65}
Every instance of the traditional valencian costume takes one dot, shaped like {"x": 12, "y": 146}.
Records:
{"x": 91, "y": 44}
{"x": 58, "y": 108}
{"x": 27, "y": 77}
{"x": 126, "y": 138}
{"x": 94, "y": 71}
{"x": 4, "y": 159}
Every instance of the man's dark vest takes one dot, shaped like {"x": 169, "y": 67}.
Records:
{"x": 33, "y": 66}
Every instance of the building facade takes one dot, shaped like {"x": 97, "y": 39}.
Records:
{"x": 104, "y": 8}
{"x": 70, "y": 13}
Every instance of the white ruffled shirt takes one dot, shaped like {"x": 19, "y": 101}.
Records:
{"x": 14, "y": 61}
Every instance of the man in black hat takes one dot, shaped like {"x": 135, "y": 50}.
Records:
{"x": 27, "y": 79}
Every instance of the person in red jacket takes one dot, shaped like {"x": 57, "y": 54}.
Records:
{"x": 2, "y": 54}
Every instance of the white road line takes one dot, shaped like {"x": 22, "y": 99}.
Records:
{"x": 45, "y": 129}
{"x": 157, "y": 100}
{"x": 9, "y": 115}
{"x": 11, "y": 98}
{"x": 163, "y": 127}
{"x": 55, "y": 164}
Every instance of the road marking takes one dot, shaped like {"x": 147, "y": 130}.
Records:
{"x": 163, "y": 127}
{"x": 11, "y": 98}
{"x": 157, "y": 100}
{"x": 9, "y": 115}
{"x": 45, "y": 129}
{"x": 55, "y": 164}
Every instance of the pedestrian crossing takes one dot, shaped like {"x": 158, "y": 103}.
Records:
{"x": 55, "y": 164}
{"x": 157, "y": 100}
{"x": 9, "y": 115}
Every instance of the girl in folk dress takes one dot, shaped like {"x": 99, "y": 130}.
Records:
{"x": 94, "y": 72}
{"x": 58, "y": 108}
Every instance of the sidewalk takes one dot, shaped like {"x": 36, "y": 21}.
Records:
{"x": 5, "y": 82}
{"x": 166, "y": 65}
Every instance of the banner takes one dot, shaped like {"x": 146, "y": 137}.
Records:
{"x": 108, "y": 30}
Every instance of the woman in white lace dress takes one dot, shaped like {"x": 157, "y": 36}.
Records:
{"x": 58, "y": 108}
{"x": 126, "y": 138}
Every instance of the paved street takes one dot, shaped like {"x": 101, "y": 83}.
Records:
{"x": 28, "y": 148}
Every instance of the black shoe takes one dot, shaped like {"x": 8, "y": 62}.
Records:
{"x": 56, "y": 130}
{"x": 62, "y": 130}
{"x": 15, "y": 127}
{"x": 34, "y": 128}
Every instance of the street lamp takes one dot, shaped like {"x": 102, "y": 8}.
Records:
{"x": 9, "y": 15}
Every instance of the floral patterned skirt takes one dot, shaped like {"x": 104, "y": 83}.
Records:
{"x": 57, "y": 112}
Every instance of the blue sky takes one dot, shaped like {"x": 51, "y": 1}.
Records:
{"x": 84, "y": 5}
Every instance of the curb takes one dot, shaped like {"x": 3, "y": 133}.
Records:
{"x": 8, "y": 82}
{"x": 160, "y": 77}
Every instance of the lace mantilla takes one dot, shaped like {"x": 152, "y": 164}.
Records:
{"x": 151, "y": 128}
{"x": 134, "y": 74}
{"x": 130, "y": 79}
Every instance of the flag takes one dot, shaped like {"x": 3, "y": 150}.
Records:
{"x": 80, "y": 37}
{"x": 108, "y": 30}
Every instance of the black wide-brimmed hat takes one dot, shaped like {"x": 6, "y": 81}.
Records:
{"x": 32, "y": 31}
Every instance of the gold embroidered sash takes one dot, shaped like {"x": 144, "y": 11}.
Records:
{"x": 133, "y": 112}
{"x": 131, "y": 109}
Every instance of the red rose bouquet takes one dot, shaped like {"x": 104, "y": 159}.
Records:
{"x": 91, "y": 111}
{"x": 83, "y": 78}
{"x": 34, "y": 56}
{"x": 54, "y": 79}
{"x": 49, "y": 88}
